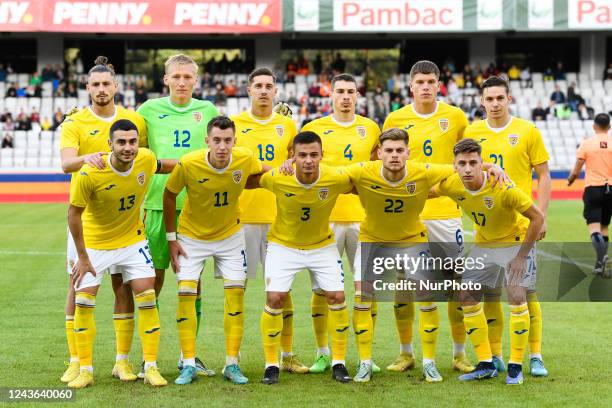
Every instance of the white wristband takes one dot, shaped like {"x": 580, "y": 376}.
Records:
{"x": 170, "y": 236}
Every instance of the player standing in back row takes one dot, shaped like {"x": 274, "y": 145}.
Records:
{"x": 434, "y": 127}
{"x": 176, "y": 125}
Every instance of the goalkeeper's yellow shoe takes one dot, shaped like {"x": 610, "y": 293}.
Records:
{"x": 153, "y": 377}
{"x": 123, "y": 370}
{"x": 291, "y": 364}
{"x": 84, "y": 379}
{"x": 462, "y": 364}
{"x": 403, "y": 362}
{"x": 71, "y": 372}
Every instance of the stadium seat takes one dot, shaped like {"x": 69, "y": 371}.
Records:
{"x": 33, "y": 138}
{"x": 47, "y": 89}
{"x": 20, "y": 139}
{"x": 10, "y": 105}
{"x": 6, "y": 158}
{"x": 23, "y": 80}
{"x": 232, "y": 106}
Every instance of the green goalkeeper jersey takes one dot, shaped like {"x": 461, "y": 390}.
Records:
{"x": 172, "y": 132}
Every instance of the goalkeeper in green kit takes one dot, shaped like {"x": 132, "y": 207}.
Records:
{"x": 176, "y": 125}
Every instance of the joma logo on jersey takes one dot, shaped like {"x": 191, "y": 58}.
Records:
{"x": 327, "y": 132}
{"x": 237, "y": 176}
{"x": 141, "y": 178}
{"x": 110, "y": 186}
{"x": 197, "y": 116}
{"x": 407, "y": 127}
{"x": 323, "y": 193}
{"x": 443, "y": 124}
{"x": 94, "y": 132}
{"x": 460, "y": 198}
{"x": 163, "y": 116}
{"x": 100, "y": 13}
{"x": 361, "y": 131}
{"x": 247, "y": 130}
{"x": 411, "y": 187}
{"x": 488, "y": 202}
{"x": 513, "y": 139}
{"x": 14, "y": 12}
{"x": 280, "y": 130}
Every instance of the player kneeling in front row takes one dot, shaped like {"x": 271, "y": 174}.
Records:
{"x": 209, "y": 225}
{"x": 300, "y": 238}
{"x": 104, "y": 219}
{"x": 504, "y": 241}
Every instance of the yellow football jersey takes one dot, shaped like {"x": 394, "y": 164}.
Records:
{"x": 211, "y": 209}
{"x": 516, "y": 148}
{"x": 270, "y": 140}
{"x": 302, "y": 219}
{"x": 112, "y": 201}
{"x": 431, "y": 140}
{"x": 496, "y": 211}
{"x": 392, "y": 209}
{"x": 345, "y": 144}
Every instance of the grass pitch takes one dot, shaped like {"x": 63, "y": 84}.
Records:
{"x": 33, "y": 349}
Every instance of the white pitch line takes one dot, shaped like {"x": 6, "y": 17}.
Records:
{"x": 32, "y": 253}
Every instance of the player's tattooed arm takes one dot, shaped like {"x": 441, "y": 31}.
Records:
{"x": 575, "y": 172}
{"x": 165, "y": 166}
{"x": 72, "y": 162}
{"x": 517, "y": 265}
{"x": 544, "y": 187}
{"x": 174, "y": 247}
{"x": 253, "y": 179}
{"x": 83, "y": 264}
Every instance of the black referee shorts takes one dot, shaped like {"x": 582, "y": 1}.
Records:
{"x": 597, "y": 204}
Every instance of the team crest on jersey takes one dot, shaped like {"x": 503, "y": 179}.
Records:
{"x": 443, "y": 124}
{"x": 237, "y": 176}
{"x": 323, "y": 193}
{"x": 141, "y": 178}
{"x": 488, "y": 202}
{"x": 513, "y": 139}
{"x": 411, "y": 187}
{"x": 280, "y": 130}
{"x": 361, "y": 131}
{"x": 197, "y": 116}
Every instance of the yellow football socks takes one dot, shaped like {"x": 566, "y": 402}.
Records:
{"x": 148, "y": 324}
{"x": 318, "y": 307}
{"x": 233, "y": 321}
{"x": 494, "y": 313}
{"x": 429, "y": 323}
{"x": 338, "y": 328}
{"x": 287, "y": 333}
{"x": 476, "y": 327}
{"x": 363, "y": 325}
{"x": 72, "y": 348}
{"x": 85, "y": 327}
{"x": 186, "y": 317}
{"x": 535, "y": 328}
{"x": 455, "y": 319}
{"x": 271, "y": 326}
{"x": 519, "y": 332}
{"x": 124, "y": 332}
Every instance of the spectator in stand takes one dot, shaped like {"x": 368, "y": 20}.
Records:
{"x": 34, "y": 116}
{"x": 242, "y": 90}
{"x": 608, "y": 72}
{"x": 558, "y": 96}
{"x": 514, "y": 73}
{"x": 339, "y": 64}
{"x": 9, "y": 126}
{"x": 11, "y": 91}
{"x": 442, "y": 91}
{"x": 7, "y": 140}
{"x": 291, "y": 70}
{"x": 71, "y": 90}
{"x": 22, "y": 92}
{"x": 35, "y": 80}
{"x": 573, "y": 98}
{"x": 302, "y": 65}
{"x": 551, "y": 110}
{"x": 220, "y": 98}
{"x": 291, "y": 99}
{"x": 396, "y": 103}
{"x": 313, "y": 90}
{"x": 230, "y": 89}
{"x": 585, "y": 112}
{"x": 141, "y": 94}
{"x": 538, "y": 113}
{"x": 564, "y": 111}
{"x": 318, "y": 65}
{"x": 559, "y": 73}
{"x": 3, "y": 73}
{"x": 548, "y": 74}
{"x": 46, "y": 124}
{"x": 47, "y": 73}
{"x": 325, "y": 87}
{"x": 526, "y": 81}
{"x": 490, "y": 71}
{"x": 58, "y": 118}
{"x": 223, "y": 64}
{"x": 23, "y": 122}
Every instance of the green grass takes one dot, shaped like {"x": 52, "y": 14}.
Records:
{"x": 33, "y": 349}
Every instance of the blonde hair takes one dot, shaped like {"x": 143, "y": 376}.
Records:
{"x": 180, "y": 59}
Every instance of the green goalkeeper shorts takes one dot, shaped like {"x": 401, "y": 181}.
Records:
{"x": 155, "y": 230}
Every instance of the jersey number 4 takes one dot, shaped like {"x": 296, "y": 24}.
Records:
{"x": 184, "y": 140}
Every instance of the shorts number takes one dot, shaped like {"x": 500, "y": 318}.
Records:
{"x": 427, "y": 149}
{"x": 459, "y": 237}
{"x": 497, "y": 159}
{"x": 244, "y": 261}
{"x": 185, "y": 141}
{"x": 348, "y": 153}
{"x": 130, "y": 202}
{"x": 266, "y": 153}
{"x": 145, "y": 251}
{"x": 218, "y": 197}
{"x": 394, "y": 206}
{"x": 305, "y": 214}
{"x": 479, "y": 218}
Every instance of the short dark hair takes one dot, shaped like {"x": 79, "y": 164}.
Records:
{"x": 602, "y": 121}
{"x": 393, "y": 134}
{"x": 307, "y": 137}
{"x": 343, "y": 77}
{"x": 101, "y": 65}
{"x": 424, "y": 67}
{"x": 467, "y": 146}
{"x": 222, "y": 122}
{"x": 122, "y": 124}
{"x": 495, "y": 81}
{"x": 261, "y": 71}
